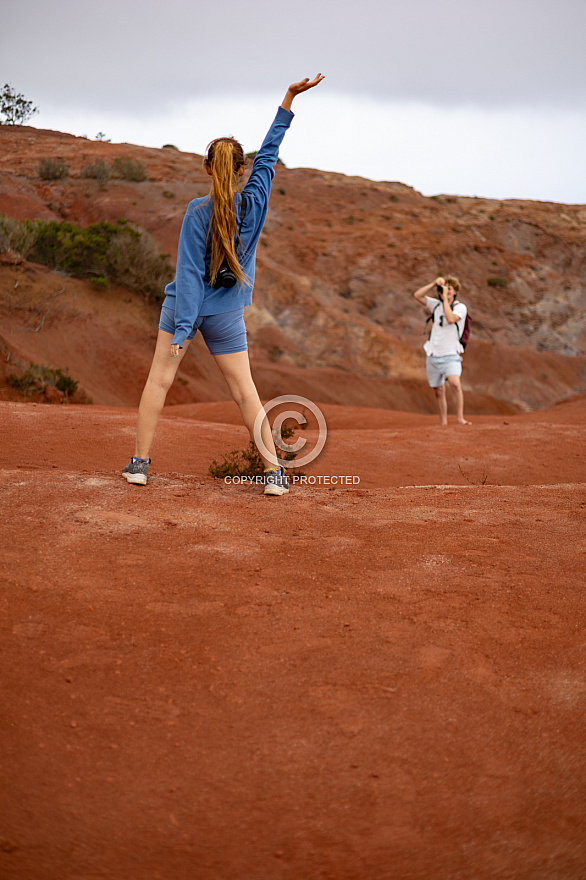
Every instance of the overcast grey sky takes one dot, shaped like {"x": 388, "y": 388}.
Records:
{"x": 446, "y": 95}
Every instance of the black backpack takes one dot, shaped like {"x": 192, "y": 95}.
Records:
{"x": 464, "y": 336}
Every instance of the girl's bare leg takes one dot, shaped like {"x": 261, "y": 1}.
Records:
{"x": 236, "y": 371}
{"x": 161, "y": 375}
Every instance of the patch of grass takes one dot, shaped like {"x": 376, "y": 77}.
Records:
{"x": 497, "y": 281}
{"x": 52, "y": 169}
{"x": 170, "y": 147}
{"x": 130, "y": 169}
{"x": 15, "y": 237}
{"x": 168, "y": 195}
{"x": 98, "y": 170}
{"x": 136, "y": 262}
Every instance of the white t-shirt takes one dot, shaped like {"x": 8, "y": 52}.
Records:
{"x": 445, "y": 338}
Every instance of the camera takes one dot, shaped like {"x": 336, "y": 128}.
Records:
{"x": 225, "y": 276}
{"x": 439, "y": 288}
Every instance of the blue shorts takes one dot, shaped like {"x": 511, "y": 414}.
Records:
{"x": 439, "y": 368}
{"x": 223, "y": 334}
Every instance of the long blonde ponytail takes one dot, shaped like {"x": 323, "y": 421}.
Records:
{"x": 224, "y": 159}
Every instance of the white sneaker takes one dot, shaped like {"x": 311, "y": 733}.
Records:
{"x": 276, "y": 482}
{"x": 137, "y": 472}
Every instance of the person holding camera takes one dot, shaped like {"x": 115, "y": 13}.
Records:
{"x": 213, "y": 283}
{"x": 443, "y": 348}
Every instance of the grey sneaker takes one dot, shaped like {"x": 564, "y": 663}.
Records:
{"x": 276, "y": 482}
{"x": 137, "y": 471}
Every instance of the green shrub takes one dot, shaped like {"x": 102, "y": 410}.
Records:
{"x": 130, "y": 169}
{"x": 252, "y": 156}
{"x": 81, "y": 252}
{"x": 27, "y": 384}
{"x": 102, "y": 252}
{"x": 64, "y": 383}
{"x": 238, "y": 463}
{"x": 247, "y": 462}
{"x": 98, "y": 170}
{"x": 498, "y": 281}
{"x": 170, "y": 147}
{"x": 36, "y": 377}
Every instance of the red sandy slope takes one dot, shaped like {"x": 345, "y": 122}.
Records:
{"x": 379, "y": 681}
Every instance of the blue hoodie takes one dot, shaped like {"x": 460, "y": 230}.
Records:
{"x": 189, "y": 294}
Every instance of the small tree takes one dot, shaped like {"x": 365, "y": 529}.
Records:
{"x": 14, "y": 107}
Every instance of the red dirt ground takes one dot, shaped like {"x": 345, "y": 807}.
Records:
{"x": 367, "y": 682}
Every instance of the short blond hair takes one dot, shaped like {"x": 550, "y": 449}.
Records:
{"x": 453, "y": 282}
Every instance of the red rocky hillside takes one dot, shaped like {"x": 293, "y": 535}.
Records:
{"x": 333, "y": 316}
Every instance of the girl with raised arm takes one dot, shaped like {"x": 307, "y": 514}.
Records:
{"x": 213, "y": 283}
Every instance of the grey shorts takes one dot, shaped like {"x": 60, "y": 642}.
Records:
{"x": 223, "y": 334}
{"x": 439, "y": 368}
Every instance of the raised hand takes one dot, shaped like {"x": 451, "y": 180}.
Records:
{"x": 299, "y": 87}
{"x": 305, "y": 84}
